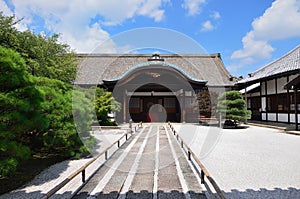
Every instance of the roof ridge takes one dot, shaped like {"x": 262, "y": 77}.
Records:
{"x": 277, "y": 60}
{"x": 213, "y": 55}
{"x": 223, "y": 67}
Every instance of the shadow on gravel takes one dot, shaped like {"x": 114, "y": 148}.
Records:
{"x": 216, "y": 124}
{"x": 34, "y": 195}
{"x": 234, "y": 194}
{"x": 262, "y": 193}
{"x": 41, "y": 178}
{"x": 33, "y": 169}
{"x": 144, "y": 195}
{"x": 238, "y": 127}
{"x": 40, "y": 171}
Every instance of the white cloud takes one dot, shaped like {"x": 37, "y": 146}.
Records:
{"x": 207, "y": 26}
{"x": 150, "y": 8}
{"x": 216, "y": 15}
{"x": 280, "y": 21}
{"x": 7, "y": 12}
{"x": 193, "y": 6}
{"x": 88, "y": 41}
{"x": 73, "y": 19}
{"x": 4, "y": 8}
{"x": 253, "y": 49}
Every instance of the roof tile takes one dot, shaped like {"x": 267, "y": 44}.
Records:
{"x": 288, "y": 62}
{"x": 95, "y": 68}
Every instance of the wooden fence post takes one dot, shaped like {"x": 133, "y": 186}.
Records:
{"x": 83, "y": 176}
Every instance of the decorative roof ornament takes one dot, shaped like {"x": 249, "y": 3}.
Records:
{"x": 156, "y": 57}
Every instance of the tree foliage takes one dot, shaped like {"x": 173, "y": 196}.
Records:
{"x": 20, "y": 114}
{"x": 104, "y": 104}
{"x": 36, "y": 113}
{"x": 36, "y": 107}
{"x": 207, "y": 102}
{"x": 232, "y": 106}
{"x": 44, "y": 55}
{"x": 8, "y": 32}
{"x": 38, "y": 104}
{"x": 58, "y": 109}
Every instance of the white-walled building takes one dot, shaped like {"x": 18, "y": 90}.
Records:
{"x": 271, "y": 91}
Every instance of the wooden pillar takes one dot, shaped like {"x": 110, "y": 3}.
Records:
{"x": 296, "y": 108}
{"x": 276, "y": 92}
{"x": 183, "y": 112}
{"x": 260, "y": 96}
{"x": 288, "y": 101}
{"x": 246, "y": 120}
{"x": 124, "y": 107}
{"x": 266, "y": 94}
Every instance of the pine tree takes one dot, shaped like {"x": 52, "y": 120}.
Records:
{"x": 20, "y": 110}
{"x": 232, "y": 106}
{"x": 44, "y": 56}
{"x": 104, "y": 104}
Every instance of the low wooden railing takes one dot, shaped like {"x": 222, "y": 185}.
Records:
{"x": 84, "y": 167}
{"x": 204, "y": 172}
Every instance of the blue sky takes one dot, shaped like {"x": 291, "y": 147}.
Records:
{"x": 249, "y": 34}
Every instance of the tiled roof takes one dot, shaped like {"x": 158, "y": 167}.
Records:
{"x": 95, "y": 68}
{"x": 288, "y": 63}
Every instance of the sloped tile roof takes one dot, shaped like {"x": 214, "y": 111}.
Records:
{"x": 287, "y": 63}
{"x": 95, "y": 68}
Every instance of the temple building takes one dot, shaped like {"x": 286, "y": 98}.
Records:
{"x": 157, "y": 87}
{"x": 272, "y": 91}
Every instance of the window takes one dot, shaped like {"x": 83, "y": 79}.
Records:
{"x": 282, "y": 103}
{"x": 272, "y": 103}
{"x": 292, "y": 101}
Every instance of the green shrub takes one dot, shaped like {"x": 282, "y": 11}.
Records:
{"x": 8, "y": 166}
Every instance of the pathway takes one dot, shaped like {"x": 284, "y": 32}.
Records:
{"x": 151, "y": 165}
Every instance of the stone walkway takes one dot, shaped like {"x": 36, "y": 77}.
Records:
{"x": 151, "y": 165}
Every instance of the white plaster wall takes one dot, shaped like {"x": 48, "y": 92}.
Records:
{"x": 263, "y": 103}
{"x": 263, "y": 116}
{"x": 271, "y": 87}
{"x": 292, "y": 118}
{"x": 262, "y": 87}
{"x": 280, "y": 84}
{"x": 271, "y": 116}
{"x": 291, "y": 77}
{"x": 283, "y": 117}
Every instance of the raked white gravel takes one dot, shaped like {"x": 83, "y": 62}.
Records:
{"x": 253, "y": 162}
{"x": 53, "y": 175}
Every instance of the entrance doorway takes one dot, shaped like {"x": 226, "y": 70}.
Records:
{"x": 167, "y": 87}
{"x": 154, "y": 109}
{"x": 255, "y": 108}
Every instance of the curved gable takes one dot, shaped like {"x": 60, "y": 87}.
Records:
{"x": 162, "y": 65}
{"x": 95, "y": 68}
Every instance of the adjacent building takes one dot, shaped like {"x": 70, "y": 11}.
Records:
{"x": 271, "y": 91}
